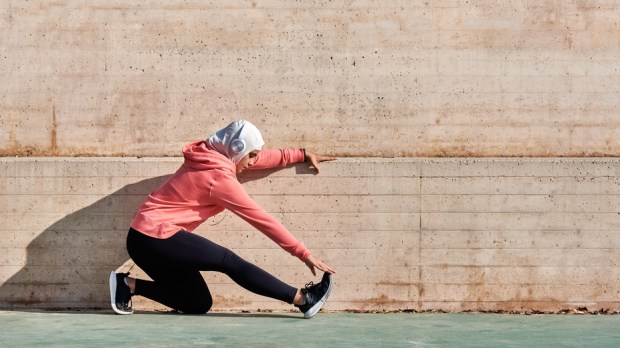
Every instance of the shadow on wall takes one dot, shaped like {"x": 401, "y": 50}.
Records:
{"x": 67, "y": 265}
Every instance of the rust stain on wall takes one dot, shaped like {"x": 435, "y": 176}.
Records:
{"x": 374, "y": 301}
{"x": 54, "y": 133}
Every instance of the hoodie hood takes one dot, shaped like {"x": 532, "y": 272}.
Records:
{"x": 200, "y": 156}
{"x": 237, "y": 140}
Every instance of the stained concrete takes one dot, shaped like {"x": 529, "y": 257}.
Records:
{"x": 482, "y": 234}
{"x": 359, "y": 78}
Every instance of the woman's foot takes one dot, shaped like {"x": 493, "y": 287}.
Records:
{"x": 120, "y": 294}
{"x": 315, "y": 296}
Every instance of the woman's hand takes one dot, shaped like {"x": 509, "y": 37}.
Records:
{"x": 314, "y": 159}
{"x": 313, "y": 263}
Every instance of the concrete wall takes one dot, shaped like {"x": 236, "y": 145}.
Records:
{"x": 424, "y": 234}
{"x": 359, "y": 78}
{"x": 376, "y": 80}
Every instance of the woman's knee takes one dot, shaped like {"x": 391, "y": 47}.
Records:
{"x": 200, "y": 306}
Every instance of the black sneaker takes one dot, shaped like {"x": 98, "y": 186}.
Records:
{"x": 315, "y": 296}
{"x": 120, "y": 295}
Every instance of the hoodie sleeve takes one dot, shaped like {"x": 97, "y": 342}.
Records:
{"x": 272, "y": 158}
{"x": 228, "y": 193}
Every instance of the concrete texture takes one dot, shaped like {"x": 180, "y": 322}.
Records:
{"x": 359, "y": 78}
{"x": 422, "y": 234}
{"x": 83, "y": 329}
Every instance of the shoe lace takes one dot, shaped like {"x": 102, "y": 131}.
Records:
{"x": 309, "y": 285}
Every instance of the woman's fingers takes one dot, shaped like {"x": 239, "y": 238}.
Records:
{"x": 311, "y": 266}
{"x": 314, "y": 160}
{"x": 312, "y": 262}
{"x": 326, "y": 158}
{"x": 326, "y": 269}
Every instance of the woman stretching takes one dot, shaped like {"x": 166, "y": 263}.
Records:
{"x": 160, "y": 239}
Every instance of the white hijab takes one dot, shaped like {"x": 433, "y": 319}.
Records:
{"x": 237, "y": 140}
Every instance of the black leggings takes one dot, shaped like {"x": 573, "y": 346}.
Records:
{"x": 175, "y": 263}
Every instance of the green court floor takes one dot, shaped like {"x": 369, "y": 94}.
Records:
{"x": 104, "y": 329}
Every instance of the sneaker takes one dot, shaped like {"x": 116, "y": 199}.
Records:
{"x": 315, "y": 296}
{"x": 120, "y": 295}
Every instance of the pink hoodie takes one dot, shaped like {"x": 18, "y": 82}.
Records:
{"x": 205, "y": 185}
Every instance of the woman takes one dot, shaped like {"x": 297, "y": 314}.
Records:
{"x": 160, "y": 241}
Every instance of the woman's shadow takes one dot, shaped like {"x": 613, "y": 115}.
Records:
{"x": 68, "y": 263}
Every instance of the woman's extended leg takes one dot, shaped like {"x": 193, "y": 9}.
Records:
{"x": 171, "y": 263}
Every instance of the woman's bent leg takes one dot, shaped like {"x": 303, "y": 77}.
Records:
{"x": 177, "y": 287}
{"x": 185, "y": 291}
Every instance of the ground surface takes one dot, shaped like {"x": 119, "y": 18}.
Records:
{"x": 76, "y": 329}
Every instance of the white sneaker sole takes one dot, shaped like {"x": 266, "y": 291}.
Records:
{"x": 317, "y": 306}
{"x": 113, "y": 294}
